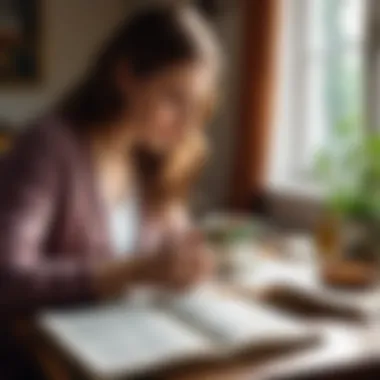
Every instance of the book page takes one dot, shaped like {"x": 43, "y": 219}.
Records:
{"x": 232, "y": 321}
{"x": 120, "y": 338}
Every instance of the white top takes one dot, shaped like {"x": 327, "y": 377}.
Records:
{"x": 124, "y": 226}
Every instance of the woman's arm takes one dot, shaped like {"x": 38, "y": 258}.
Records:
{"x": 29, "y": 190}
{"x": 28, "y": 195}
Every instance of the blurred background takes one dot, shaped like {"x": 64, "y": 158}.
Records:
{"x": 295, "y": 70}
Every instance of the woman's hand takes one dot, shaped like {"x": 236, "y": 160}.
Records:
{"x": 178, "y": 264}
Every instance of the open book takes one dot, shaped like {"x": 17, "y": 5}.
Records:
{"x": 127, "y": 337}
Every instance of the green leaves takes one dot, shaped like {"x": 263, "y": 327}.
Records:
{"x": 349, "y": 167}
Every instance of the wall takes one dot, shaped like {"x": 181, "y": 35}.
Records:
{"x": 215, "y": 186}
{"x": 72, "y": 31}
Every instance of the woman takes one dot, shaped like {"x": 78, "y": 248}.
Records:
{"x": 91, "y": 201}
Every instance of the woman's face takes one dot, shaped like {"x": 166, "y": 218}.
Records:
{"x": 166, "y": 107}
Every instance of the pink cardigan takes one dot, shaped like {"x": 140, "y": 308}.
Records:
{"x": 52, "y": 224}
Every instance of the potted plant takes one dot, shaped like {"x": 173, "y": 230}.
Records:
{"x": 349, "y": 170}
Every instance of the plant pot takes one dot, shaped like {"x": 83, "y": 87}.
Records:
{"x": 360, "y": 242}
{"x": 349, "y": 274}
{"x": 349, "y": 252}
{"x": 355, "y": 240}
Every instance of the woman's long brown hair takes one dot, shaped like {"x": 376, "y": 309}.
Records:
{"x": 152, "y": 40}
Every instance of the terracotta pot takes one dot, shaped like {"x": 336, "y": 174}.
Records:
{"x": 349, "y": 274}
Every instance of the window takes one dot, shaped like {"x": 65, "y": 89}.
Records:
{"x": 321, "y": 83}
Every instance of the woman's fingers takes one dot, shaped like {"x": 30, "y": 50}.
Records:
{"x": 194, "y": 238}
{"x": 194, "y": 265}
{"x": 185, "y": 262}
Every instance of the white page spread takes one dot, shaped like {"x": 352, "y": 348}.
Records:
{"x": 232, "y": 321}
{"x": 113, "y": 339}
{"x": 125, "y": 337}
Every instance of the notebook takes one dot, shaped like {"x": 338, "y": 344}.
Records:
{"x": 128, "y": 337}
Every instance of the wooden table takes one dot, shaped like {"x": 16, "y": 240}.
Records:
{"x": 344, "y": 347}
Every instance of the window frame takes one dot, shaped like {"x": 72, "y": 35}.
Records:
{"x": 283, "y": 175}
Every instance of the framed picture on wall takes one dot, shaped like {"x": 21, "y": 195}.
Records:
{"x": 7, "y": 136}
{"x": 20, "y": 41}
